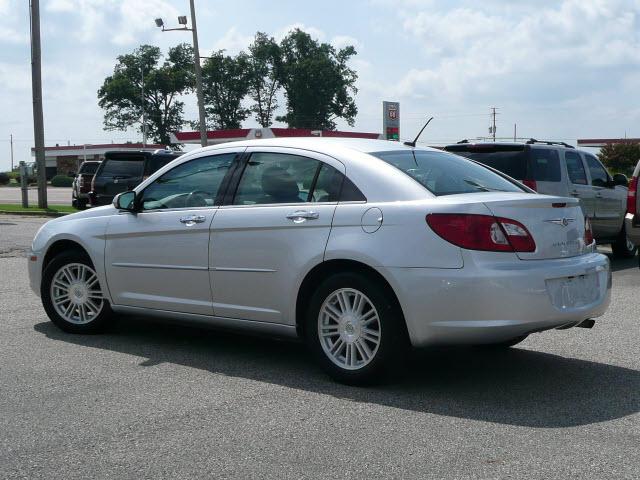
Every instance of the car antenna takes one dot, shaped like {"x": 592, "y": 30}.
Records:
{"x": 413, "y": 144}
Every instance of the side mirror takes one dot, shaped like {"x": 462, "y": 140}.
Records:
{"x": 621, "y": 180}
{"x": 125, "y": 201}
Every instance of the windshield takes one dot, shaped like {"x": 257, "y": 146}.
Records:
{"x": 122, "y": 168}
{"x": 542, "y": 165}
{"x": 446, "y": 174}
{"x": 89, "y": 168}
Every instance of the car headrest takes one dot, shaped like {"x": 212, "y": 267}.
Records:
{"x": 280, "y": 185}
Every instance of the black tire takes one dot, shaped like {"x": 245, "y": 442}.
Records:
{"x": 622, "y": 248}
{"x": 393, "y": 339}
{"x": 506, "y": 344}
{"x": 81, "y": 204}
{"x": 96, "y": 324}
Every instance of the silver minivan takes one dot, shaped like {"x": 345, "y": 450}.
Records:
{"x": 555, "y": 168}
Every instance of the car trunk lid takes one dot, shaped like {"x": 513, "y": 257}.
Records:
{"x": 556, "y": 223}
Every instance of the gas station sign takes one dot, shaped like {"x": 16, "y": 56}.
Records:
{"x": 391, "y": 120}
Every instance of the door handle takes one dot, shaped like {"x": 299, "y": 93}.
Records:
{"x": 574, "y": 193}
{"x": 192, "y": 219}
{"x": 300, "y": 216}
{"x": 598, "y": 195}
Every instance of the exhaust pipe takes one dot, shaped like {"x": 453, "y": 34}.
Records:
{"x": 588, "y": 323}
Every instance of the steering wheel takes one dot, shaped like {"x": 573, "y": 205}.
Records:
{"x": 197, "y": 198}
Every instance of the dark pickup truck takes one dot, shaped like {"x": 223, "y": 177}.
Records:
{"x": 122, "y": 171}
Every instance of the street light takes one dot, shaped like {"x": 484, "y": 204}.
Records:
{"x": 182, "y": 20}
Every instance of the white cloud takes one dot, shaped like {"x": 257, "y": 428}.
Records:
{"x": 341, "y": 41}
{"x": 316, "y": 33}
{"x": 232, "y": 42}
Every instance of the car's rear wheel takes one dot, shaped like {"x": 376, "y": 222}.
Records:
{"x": 72, "y": 295}
{"x": 623, "y": 247}
{"x": 355, "y": 329}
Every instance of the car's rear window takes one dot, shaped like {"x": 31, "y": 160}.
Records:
{"x": 446, "y": 174}
{"x": 540, "y": 164}
{"x": 124, "y": 168}
{"x": 89, "y": 168}
{"x": 157, "y": 162}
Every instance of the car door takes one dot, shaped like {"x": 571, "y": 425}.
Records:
{"x": 579, "y": 186}
{"x": 610, "y": 205}
{"x": 274, "y": 228}
{"x": 159, "y": 257}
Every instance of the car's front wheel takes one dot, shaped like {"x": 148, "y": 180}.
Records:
{"x": 355, "y": 329}
{"x": 72, "y": 295}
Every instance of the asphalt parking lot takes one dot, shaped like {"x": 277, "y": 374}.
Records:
{"x": 152, "y": 400}
{"x": 55, "y": 195}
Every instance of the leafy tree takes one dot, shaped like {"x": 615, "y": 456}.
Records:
{"x": 121, "y": 93}
{"x": 317, "y": 81}
{"x": 620, "y": 157}
{"x": 225, "y": 81}
{"x": 264, "y": 62}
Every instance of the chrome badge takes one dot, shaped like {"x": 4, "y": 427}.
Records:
{"x": 563, "y": 222}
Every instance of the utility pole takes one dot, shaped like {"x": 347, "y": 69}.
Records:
{"x": 11, "y": 142}
{"x": 493, "y": 128}
{"x": 36, "y": 87}
{"x": 515, "y": 131}
{"x": 144, "y": 113}
{"x": 182, "y": 20}
{"x": 198, "y": 70}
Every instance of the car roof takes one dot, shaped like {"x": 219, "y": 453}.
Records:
{"x": 321, "y": 144}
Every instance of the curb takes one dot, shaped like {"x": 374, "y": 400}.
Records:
{"x": 34, "y": 214}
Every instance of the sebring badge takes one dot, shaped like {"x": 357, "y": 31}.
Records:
{"x": 563, "y": 222}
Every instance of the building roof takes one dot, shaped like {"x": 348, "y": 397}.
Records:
{"x": 601, "y": 142}
{"x": 237, "y": 134}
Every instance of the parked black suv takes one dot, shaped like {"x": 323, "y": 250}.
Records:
{"x": 122, "y": 171}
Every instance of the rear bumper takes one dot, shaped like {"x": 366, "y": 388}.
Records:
{"x": 489, "y": 301}
{"x": 632, "y": 226}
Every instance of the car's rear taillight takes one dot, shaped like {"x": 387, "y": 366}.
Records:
{"x": 482, "y": 232}
{"x": 588, "y": 233}
{"x": 93, "y": 184}
{"x": 81, "y": 181}
{"x": 632, "y": 196}
{"x": 531, "y": 184}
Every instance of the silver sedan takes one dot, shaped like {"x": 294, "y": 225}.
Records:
{"x": 362, "y": 248}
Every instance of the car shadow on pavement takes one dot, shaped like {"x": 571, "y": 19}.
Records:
{"x": 515, "y": 387}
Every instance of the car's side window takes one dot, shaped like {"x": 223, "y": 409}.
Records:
{"x": 332, "y": 186}
{"x": 276, "y": 178}
{"x": 189, "y": 185}
{"x": 575, "y": 168}
{"x": 599, "y": 176}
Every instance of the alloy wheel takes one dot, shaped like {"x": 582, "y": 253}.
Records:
{"x": 76, "y": 294}
{"x": 349, "y": 328}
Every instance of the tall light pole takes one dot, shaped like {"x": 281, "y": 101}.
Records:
{"x": 182, "y": 20}
{"x": 36, "y": 87}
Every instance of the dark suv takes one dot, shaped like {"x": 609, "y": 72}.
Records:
{"x": 122, "y": 171}
{"x": 555, "y": 168}
{"x": 82, "y": 184}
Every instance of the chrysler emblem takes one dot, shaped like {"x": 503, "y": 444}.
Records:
{"x": 563, "y": 222}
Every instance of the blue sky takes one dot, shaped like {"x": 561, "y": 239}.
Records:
{"x": 560, "y": 70}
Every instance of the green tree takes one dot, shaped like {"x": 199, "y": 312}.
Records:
{"x": 264, "y": 62}
{"x": 225, "y": 81}
{"x": 318, "y": 83}
{"x": 121, "y": 93}
{"x": 620, "y": 157}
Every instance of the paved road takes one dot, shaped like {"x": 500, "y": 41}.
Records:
{"x": 55, "y": 195}
{"x": 150, "y": 400}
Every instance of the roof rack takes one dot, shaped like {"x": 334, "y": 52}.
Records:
{"x": 547, "y": 142}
